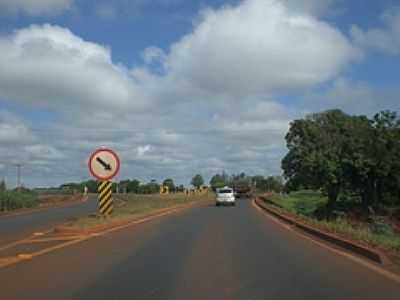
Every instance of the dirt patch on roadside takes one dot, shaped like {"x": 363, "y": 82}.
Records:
{"x": 49, "y": 200}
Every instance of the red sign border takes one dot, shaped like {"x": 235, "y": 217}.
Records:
{"x": 113, "y": 153}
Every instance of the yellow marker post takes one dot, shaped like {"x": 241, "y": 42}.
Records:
{"x": 105, "y": 204}
{"x": 164, "y": 190}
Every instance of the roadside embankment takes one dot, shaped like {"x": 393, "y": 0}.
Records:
{"x": 362, "y": 238}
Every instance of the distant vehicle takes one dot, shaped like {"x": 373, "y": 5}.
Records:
{"x": 225, "y": 196}
{"x": 242, "y": 190}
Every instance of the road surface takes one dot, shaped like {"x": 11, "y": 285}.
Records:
{"x": 16, "y": 227}
{"x": 202, "y": 253}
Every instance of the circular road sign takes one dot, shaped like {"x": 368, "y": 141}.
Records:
{"x": 104, "y": 164}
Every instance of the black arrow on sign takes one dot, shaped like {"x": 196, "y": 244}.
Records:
{"x": 105, "y": 165}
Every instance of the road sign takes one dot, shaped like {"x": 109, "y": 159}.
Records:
{"x": 104, "y": 164}
{"x": 105, "y": 198}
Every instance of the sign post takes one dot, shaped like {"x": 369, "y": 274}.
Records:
{"x": 104, "y": 164}
{"x": 106, "y": 205}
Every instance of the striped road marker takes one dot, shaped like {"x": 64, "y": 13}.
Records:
{"x": 105, "y": 198}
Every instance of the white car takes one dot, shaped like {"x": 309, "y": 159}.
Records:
{"x": 225, "y": 196}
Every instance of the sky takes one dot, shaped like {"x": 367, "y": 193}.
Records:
{"x": 180, "y": 87}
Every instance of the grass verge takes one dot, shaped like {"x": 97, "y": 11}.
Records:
{"x": 135, "y": 206}
{"x": 13, "y": 200}
{"x": 304, "y": 204}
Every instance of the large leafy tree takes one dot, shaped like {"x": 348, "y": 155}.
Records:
{"x": 374, "y": 154}
{"x": 336, "y": 152}
{"x": 316, "y": 152}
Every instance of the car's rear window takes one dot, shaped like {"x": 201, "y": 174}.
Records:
{"x": 227, "y": 191}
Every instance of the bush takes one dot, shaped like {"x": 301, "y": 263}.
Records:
{"x": 12, "y": 200}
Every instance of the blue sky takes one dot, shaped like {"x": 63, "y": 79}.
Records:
{"x": 180, "y": 87}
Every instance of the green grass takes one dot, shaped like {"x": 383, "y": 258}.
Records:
{"x": 12, "y": 200}
{"x": 363, "y": 233}
{"x": 302, "y": 202}
{"x": 305, "y": 203}
{"x": 139, "y": 205}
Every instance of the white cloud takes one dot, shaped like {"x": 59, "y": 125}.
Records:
{"x": 260, "y": 46}
{"x": 36, "y": 153}
{"x": 50, "y": 66}
{"x": 43, "y": 152}
{"x": 13, "y": 131}
{"x": 385, "y": 39}
{"x": 35, "y": 7}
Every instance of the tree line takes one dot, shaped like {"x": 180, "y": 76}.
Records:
{"x": 257, "y": 182}
{"x": 134, "y": 186}
{"x": 261, "y": 183}
{"x": 345, "y": 155}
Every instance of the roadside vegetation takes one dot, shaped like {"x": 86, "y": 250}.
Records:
{"x": 382, "y": 232}
{"x": 12, "y": 200}
{"x": 23, "y": 198}
{"x": 131, "y": 206}
{"x": 346, "y": 157}
{"x": 343, "y": 175}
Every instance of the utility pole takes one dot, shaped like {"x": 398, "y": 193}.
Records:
{"x": 19, "y": 166}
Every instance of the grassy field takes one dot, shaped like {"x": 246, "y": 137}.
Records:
{"x": 133, "y": 206}
{"x": 376, "y": 233}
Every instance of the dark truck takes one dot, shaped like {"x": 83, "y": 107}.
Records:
{"x": 242, "y": 190}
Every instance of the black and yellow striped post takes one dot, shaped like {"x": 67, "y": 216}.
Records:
{"x": 105, "y": 198}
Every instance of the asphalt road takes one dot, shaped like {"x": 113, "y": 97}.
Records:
{"x": 202, "y": 253}
{"x": 15, "y": 227}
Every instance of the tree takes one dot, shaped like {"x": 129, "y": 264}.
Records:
{"x": 274, "y": 184}
{"x": 316, "y": 152}
{"x": 197, "y": 181}
{"x": 373, "y": 157}
{"x": 129, "y": 186}
{"x": 269, "y": 184}
{"x": 180, "y": 188}
{"x": 91, "y": 185}
{"x": 257, "y": 181}
{"x": 170, "y": 184}
{"x": 149, "y": 188}
{"x": 133, "y": 186}
{"x": 217, "y": 181}
{"x": 338, "y": 153}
